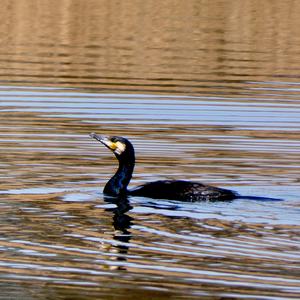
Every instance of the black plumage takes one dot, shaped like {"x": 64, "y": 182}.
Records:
{"x": 162, "y": 189}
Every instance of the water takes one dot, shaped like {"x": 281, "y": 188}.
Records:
{"x": 205, "y": 91}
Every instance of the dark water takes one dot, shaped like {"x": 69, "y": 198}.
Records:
{"x": 205, "y": 90}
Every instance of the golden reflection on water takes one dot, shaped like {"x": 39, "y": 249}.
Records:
{"x": 206, "y": 90}
{"x": 172, "y": 47}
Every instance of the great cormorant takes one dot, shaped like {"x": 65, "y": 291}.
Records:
{"x": 163, "y": 189}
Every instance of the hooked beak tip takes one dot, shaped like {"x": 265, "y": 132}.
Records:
{"x": 92, "y": 135}
{"x": 96, "y": 136}
{"x": 100, "y": 138}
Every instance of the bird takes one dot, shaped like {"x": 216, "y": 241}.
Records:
{"x": 182, "y": 190}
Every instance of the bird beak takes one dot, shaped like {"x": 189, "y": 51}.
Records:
{"x": 105, "y": 140}
{"x": 97, "y": 137}
{"x": 102, "y": 139}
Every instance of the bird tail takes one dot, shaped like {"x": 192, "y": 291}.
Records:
{"x": 258, "y": 198}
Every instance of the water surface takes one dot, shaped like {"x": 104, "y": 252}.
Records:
{"x": 205, "y": 92}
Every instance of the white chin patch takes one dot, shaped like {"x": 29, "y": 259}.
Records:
{"x": 120, "y": 148}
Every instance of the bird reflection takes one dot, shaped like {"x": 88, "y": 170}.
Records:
{"x": 121, "y": 223}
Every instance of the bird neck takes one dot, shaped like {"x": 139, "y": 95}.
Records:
{"x": 117, "y": 185}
